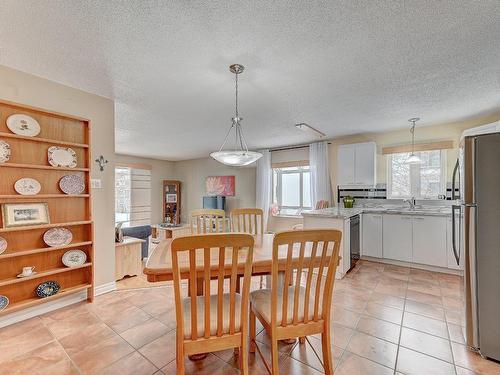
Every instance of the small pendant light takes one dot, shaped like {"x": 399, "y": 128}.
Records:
{"x": 413, "y": 159}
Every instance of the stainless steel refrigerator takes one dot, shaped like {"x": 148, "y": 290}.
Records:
{"x": 476, "y": 235}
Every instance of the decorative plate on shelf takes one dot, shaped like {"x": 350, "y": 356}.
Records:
{"x": 4, "y": 151}
{"x": 62, "y": 157}
{"x": 4, "y": 302}
{"x": 23, "y": 125}
{"x": 58, "y": 237}
{"x": 47, "y": 289}
{"x": 74, "y": 258}
{"x": 3, "y": 245}
{"x": 72, "y": 184}
{"x": 27, "y": 186}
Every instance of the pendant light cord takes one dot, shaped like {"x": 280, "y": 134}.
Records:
{"x": 236, "y": 86}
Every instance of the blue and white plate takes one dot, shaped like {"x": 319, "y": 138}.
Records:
{"x": 47, "y": 289}
{"x": 4, "y": 302}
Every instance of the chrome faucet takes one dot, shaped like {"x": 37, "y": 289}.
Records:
{"x": 412, "y": 202}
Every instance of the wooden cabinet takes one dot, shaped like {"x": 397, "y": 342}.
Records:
{"x": 25, "y": 244}
{"x": 429, "y": 240}
{"x": 172, "y": 201}
{"x": 372, "y": 235}
{"x": 356, "y": 164}
{"x": 128, "y": 258}
{"x": 397, "y": 237}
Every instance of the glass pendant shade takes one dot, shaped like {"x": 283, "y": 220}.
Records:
{"x": 236, "y": 158}
{"x": 240, "y": 155}
{"x": 413, "y": 159}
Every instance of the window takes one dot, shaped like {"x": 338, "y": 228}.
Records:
{"x": 425, "y": 181}
{"x": 132, "y": 196}
{"x": 292, "y": 190}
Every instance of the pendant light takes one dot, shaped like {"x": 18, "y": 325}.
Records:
{"x": 240, "y": 155}
{"x": 413, "y": 159}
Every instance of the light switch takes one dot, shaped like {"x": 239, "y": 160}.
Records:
{"x": 95, "y": 183}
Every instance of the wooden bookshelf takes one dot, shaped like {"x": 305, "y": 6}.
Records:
{"x": 172, "y": 209}
{"x": 25, "y": 246}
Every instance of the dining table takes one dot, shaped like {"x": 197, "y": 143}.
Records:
{"x": 159, "y": 264}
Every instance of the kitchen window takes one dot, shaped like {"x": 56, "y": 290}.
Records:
{"x": 423, "y": 181}
{"x": 292, "y": 189}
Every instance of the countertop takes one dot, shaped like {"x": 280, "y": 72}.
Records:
{"x": 345, "y": 213}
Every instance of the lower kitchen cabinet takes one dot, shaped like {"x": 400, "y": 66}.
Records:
{"x": 429, "y": 240}
{"x": 397, "y": 237}
{"x": 371, "y": 244}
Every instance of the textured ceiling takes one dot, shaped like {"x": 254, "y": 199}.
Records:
{"x": 343, "y": 67}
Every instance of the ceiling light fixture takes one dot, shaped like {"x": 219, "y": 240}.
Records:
{"x": 413, "y": 159}
{"x": 309, "y": 129}
{"x": 240, "y": 155}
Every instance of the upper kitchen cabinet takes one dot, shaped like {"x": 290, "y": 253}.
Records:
{"x": 356, "y": 164}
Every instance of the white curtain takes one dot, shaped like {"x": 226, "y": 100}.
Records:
{"x": 320, "y": 173}
{"x": 263, "y": 187}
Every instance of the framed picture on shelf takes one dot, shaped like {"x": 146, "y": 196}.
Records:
{"x": 171, "y": 198}
{"x": 25, "y": 214}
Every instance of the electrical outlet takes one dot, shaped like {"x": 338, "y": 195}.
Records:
{"x": 95, "y": 183}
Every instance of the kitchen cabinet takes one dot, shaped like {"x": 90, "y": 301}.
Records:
{"x": 429, "y": 240}
{"x": 371, "y": 235}
{"x": 397, "y": 237}
{"x": 450, "y": 255}
{"x": 356, "y": 164}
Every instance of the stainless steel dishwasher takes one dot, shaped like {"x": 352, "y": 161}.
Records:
{"x": 355, "y": 243}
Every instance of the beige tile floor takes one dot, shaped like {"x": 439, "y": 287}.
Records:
{"x": 386, "y": 320}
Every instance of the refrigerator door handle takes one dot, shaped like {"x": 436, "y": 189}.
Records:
{"x": 456, "y": 251}
{"x": 453, "y": 181}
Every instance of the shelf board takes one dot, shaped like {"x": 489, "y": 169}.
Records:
{"x": 43, "y": 140}
{"x": 45, "y": 226}
{"x": 33, "y": 301}
{"x": 44, "y": 250}
{"x": 37, "y": 196}
{"x": 45, "y": 167}
{"x": 15, "y": 280}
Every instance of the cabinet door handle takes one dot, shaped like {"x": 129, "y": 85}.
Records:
{"x": 419, "y": 218}
{"x": 406, "y": 217}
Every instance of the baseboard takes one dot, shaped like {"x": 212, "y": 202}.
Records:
{"x": 414, "y": 265}
{"x": 31, "y": 312}
{"x": 104, "y": 288}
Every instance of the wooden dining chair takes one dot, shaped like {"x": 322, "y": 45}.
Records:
{"x": 247, "y": 220}
{"x": 298, "y": 306}
{"x": 207, "y": 323}
{"x": 207, "y": 221}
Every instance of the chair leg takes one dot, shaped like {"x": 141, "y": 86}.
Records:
{"x": 252, "y": 331}
{"x": 274, "y": 356}
{"x": 261, "y": 282}
{"x": 179, "y": 358}
{"x": 244, "y": 357}
{"x": 327, "y": 351}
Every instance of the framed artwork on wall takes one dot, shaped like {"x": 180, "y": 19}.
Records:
{"x": 25, "y": 214}
{"x": 220, "y": 185}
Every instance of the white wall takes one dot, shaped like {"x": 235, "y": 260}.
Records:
{"x": 192, "y": 174}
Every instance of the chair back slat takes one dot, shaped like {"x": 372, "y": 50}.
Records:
{"x": 220, "y": 291}
{"x": 286, "y": 283}
{"x": 229, "y": 263}
{"x": 207, "y": 221}
{"x": 206, "y": 280}
{"x": 310, "y": 272}
{"x": 305, "y": 251}
{"x": 247, "y": 220}
{"x": 193, "y": 284}
{"x": 298, "y": 278}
